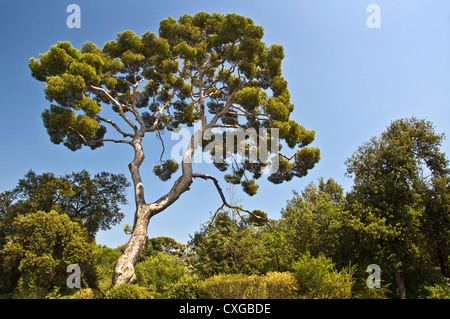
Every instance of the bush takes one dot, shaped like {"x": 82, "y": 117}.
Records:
{"x": 439, "y": 291}
{"x": 188, "y": 287}
{"x": 40, "y": 249}
{"x": 160, "y": 272}
{"x": 318, "y": 278}
{"x": 280, "y": 285}
{"x": 105, "y": 259}
{"x": 86, "y": 293}
{"x": 237, "y": 286}
{"x": 274, "y": 285}
{"x": 125, "y": 291}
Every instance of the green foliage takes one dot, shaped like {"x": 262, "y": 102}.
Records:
{"x": 391, "y": 188}
{"x": 188, "y": 287}
{"x": 237, "y": 286}
{"x": 214, "y": 60}
{"x": 258, "y": 217}
{"x": 165, "y": 171}
{"x": 249, "y": 187}
{"x": 104, "y": 260}
{"x": 274, "y": 285}
{"x": 160, "y": 272}
{"x": 125, "y": 291}
{"x": 318, "y": 278}
{"x": 439, "y": 291}
{"x": 36, "y": 256}
{"x": 155, "y": 245}
{"x": 93, "y": 202}
{"x": 226, "y": 245}
{"x": 316, "y": 222}
{"x": 280, "y": 285}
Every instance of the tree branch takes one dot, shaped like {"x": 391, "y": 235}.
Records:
{"x": 161, "y": 110}
{"x": 119, "y": 106}
{"x": 125, "y": 134}
{"x": 162, "y": 144}
{"x": 133, "y": 106}
{"x": 86, "y": 141}
{"x": 247, "y": 113}
{"x": 224, "y": 201}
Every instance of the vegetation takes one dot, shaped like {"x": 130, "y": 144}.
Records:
{"x": 215, "y": 69}
{"x": 210, "y": 68}
{"x": 395, "y": 216}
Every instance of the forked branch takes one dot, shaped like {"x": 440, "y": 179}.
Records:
{"x": 224, "y": 201}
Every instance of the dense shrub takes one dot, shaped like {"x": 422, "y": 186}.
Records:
{"x": 439, "y": 291}
{"x": 105, "y": 258}
{"x": 85, "y": 293}
{"x": 318, "y": 278}
{"x": 236, "y": 286}
{"x": 125, "y": 291}
{"x": 160, "y": 272}
{"x": 188, "y": 287}
{"x": 280, "y": 285}
{"x": 37, "y": 254}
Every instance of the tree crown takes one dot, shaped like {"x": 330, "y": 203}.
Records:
{"x": 209, "y": 67}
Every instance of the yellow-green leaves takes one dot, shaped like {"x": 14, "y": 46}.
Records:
{"x": 166, "y": 169}
{"x": 61, "y": 124}
{"x": 128, "y": 57}
{"x": 126, "y": 41}
{"x": 86, "y": 125}
{"x": 185, "y": 51}
{"x": 197, "y": 64}
{"x": 250, "y": 187}
{"x": 305, "y": 159}
{"x": 86, "y": 71}
{"x": 65, "y": 89}
{"x": 250, "y": 98}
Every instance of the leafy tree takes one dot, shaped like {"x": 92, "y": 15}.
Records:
{"x": 168, "y": 245}
{"x": 126, "y": 291}
{"x": 41, "y": 248}
{"x": 212, "y": 68}
{"x": 392, "y": 176}
{"x": 94, "y": 202}
{"x": 318, "y": 278}
{"x": 104, "y": 260}
{"x": 227, "y": 245}
{"x": 436, "y": 221}
{"x": 159, "y": 272}
{"x": 314, "y": 220}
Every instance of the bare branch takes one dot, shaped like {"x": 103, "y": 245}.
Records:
{"x": 224, "y": 201}
{"x": 162, "y": 144}
{"x": 86, "y": 141}
{"x": 161, "y": 110}
{"x": 115, "y": 102}
{"x": 125, "y": 134}
{"x": 134, "y": 109}
{"x": 249, "y": 114}
{"x": 288, "y": 158}
{"x": 225, "y": 126}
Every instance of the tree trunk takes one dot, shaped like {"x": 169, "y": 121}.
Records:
{"x": 400, "y": 280}
{"x": 124, "y": 267}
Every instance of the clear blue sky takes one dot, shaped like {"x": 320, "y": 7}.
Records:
{"x": 348, "y": 82}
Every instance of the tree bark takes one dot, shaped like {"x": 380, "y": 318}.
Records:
{"x": 124, "y": 267}
{"x": 400, "y": 280}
